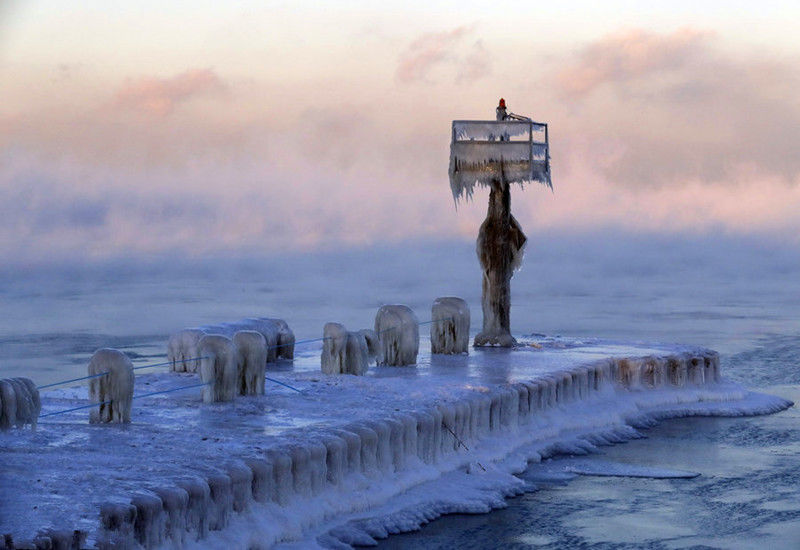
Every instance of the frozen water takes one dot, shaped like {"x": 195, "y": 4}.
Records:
{"x": 251, "y": 347}
{"x": 19, "y": 403}
{"x": 219, "y": 368}
{"x": 334, "y": 348}
{"x": 450, "y": 321}
{"x": 351, "y": 458}
{"x": 114, "y": 390}
{"x": 398, "y": 328}
{"x": 182, "y": 347}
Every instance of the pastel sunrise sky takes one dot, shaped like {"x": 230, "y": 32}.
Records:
{"x": 205, "y": 127}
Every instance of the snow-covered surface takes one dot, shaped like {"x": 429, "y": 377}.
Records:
{"x": 408, "y": 467}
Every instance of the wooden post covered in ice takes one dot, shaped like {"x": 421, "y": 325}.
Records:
{"x": 496, "y": 154}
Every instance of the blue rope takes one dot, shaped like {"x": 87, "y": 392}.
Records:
{"x": 171, "y": 390}
{"x": 282, "y": 384}
{"x": 90, "y": 405}
{"x": 73, "y": 380}
{"x": 105, "y": 373}
{"x": 168, "y": 363}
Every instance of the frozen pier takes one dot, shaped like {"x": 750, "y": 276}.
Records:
{"x": 349, "y": 458}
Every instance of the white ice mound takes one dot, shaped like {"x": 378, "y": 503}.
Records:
{"x": 398, "y": 329}
{"x": 373, "y": 344}
{"x": 334, "y": 348}
{"x": 19, "y": 403}
{"x": 218, "y": 368}
{"x": 182, "y": 347}
{"x": 111, "y": 387}
{"x": 344, "y": 352}
{"x": 251, "y": 347}
{"x": 449, "y": 326}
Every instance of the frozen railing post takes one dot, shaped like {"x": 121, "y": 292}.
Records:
{"x": 110, "y": 386}
{"x": 19, "y": 403}
{"x": 495, "y": 154}
{"x": 449, "y": 326}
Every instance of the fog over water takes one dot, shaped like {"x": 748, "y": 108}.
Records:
{"x": 721, "y": 292}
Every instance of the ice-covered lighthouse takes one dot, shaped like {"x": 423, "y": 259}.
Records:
{"x": 495, "y": 154}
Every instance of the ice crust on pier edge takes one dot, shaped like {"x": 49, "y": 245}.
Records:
{"x": 356, "y": 458}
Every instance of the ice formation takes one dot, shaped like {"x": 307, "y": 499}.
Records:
{"x": 182, "y": 352}
{"x": 19, "y": 403}
{"x": 285, "y": 338}
{"x": 352, "y": 459}
{"x": 421, "y": 455}
{"x": 334, "y": 348}
{"x": 114, "y": 390}
{"x": 218, "y": 368}
{"x": 497, "y": 154}
{"x": 343, "y": 352}
{"x": 500, "y": 248}
{"x": 479, "y": 150}
{"x": 357, "y": 361}
{"x": 269, "y": 330}
{"x": 450, "y": 326}
{"x": 251, "y": 347}
{"x": 398, "y": 329}
{"x": 373, "y": 344}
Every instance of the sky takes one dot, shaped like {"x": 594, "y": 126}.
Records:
{"x": 196, "y": 128}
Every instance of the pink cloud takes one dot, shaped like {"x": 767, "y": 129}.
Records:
{"x": 680, "y": 107}
{"x": 431, "y": 50}
{"x": 628, "y": 55}
{"x": 698, "y": 140}
{"x": 476, "y": 64}
{"x": 159, "y": 96}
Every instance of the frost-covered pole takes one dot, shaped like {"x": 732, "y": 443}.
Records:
{"x": 496, "y": 154}
{"x": 499, "y": 246}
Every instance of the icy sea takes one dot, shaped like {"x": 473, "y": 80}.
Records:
{"x": 738, "y": 296}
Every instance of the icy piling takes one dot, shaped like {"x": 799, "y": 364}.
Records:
{"x": 251, "y": 347}
{"x": 218, "y": 368}
{"x": 182, "y": 350}
{"x": 373, "y": 344}
{"x": 398, "y": 329}
{"x": 449, "y": 326}
{"x": 334, "y": 348}
{"x": 183, "y": 346}
{"x": 343, "y": 352}
{"x": 111, "y": 386}
{"x": 19, "y": 403}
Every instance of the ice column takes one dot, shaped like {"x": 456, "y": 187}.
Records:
{"x": 19, "y": 403}
{"x": 450, "y": 326}
{"x": 343, "y": 352}
{"x": 398, "y": 329}
{"x": 111, "y": 387}
{"x": 218, "y": 368}
{"x": 500, "y": 247}
{"x": 252, "y": 361}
